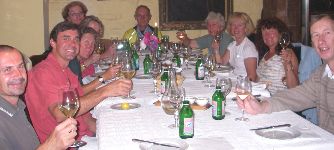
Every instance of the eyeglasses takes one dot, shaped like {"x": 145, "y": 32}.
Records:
{"x": 80, "y": 14}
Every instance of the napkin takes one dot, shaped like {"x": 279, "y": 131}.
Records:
{"x": 260, "y": 89}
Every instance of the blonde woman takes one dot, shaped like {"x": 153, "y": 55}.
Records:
{"x": 241, "y": 53}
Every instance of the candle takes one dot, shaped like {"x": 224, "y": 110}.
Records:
{"x": 156, "y": 29}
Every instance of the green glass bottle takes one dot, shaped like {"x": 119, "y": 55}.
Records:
{"x": 176, "y": 60}
{"x": 135, "y": 58}
{"x": 186, "y": 121}
{"x": 147, "y": 64}
{"x": 218, "y": 104}
{"x": 199, "y": 69}
{"x": 164, "y": 81}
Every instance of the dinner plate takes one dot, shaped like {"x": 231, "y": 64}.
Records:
{"x": 118, "y": 106}
{"x": 175, "y": 142}
{"x": 143, "y": 76}
{"x": 283, "y": 133}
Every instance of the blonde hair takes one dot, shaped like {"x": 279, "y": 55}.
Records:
{"x": 212, "y": 16}
{"x": 245, "y": 18}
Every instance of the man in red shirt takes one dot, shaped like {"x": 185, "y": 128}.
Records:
{"x": 52, "y": 74}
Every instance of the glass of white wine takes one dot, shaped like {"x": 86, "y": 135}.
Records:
{"x": 128, "y": 71}
{"x": 284, "y": 40}
{"x": 69, "y": 107}
{"x": 243, "y": 89}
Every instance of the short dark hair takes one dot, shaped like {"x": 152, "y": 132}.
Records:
{"x": 88, "y": 19}
{"x": 85, "y": 30}
{"x": 61, "y": 27}
{"x": 66, "y": 9}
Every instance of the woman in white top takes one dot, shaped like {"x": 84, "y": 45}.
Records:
{"x": 241, "y": 53}
{"x": 277, "y": 66}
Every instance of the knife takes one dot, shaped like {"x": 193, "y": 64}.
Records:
{"x": 155, "y": 143}
{"x": 271, "y": 127}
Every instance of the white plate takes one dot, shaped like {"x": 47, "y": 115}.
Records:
{"x": 143, "y": 76}
{"x": 279, "y": 133}
{"x": 176, "y": 142}
{"x": 119, "y": 106}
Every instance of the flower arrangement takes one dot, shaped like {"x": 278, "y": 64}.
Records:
{"x": 150, "y": 41}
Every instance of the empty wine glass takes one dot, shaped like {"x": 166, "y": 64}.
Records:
{"x": 171, "y": 100}
{"x": 155, "y": 72}
{"x": 69, "y": 106}
{"x": 226, "y": 86}
{"x": 99, "y": 48}
{"x": 186, "y": 55}
{"x": 209, "y": 64}
{"x": 284, "y": 40}
{"x": 243, "y": 89}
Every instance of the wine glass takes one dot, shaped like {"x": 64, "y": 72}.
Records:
{"x": 69, "y": 106}
{"x": 226, "y": 86}
{"x": 217, "y": 37}
{"x": 284, "y": 40}
{"x": 243, "y": 89}
{"x": 128, "y": 71}
{"x": 186, "y": 55}
{"x": 99, "y": 48}
{"x": 171, "y": 100}
{"x": 155, "y": 71}
{"x": 209, "y": 64}
{"x": 180, "y": 34}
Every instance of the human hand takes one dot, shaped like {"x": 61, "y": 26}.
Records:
{"x": 63, "y": 135}
{"x": 111, "y": 72}
{"x": 250, "y": 105}
{"x": 119, "y": 87}
{"x": 215, "y": 46}
{"x": 286, "y": 56}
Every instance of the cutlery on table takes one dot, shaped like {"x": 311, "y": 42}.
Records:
{"x": 155, "y": 143}
{"x": 271, "y": 127}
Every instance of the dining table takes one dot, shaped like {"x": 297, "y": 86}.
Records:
{"x": 116, "y": 128}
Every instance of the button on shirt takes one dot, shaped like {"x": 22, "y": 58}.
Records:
{"x": 16, "y": 132}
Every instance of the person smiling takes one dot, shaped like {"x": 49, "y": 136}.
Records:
{"x": 317, "y": 91}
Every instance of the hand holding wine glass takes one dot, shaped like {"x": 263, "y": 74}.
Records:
{"x": 69, "y": 106}
{"x": 128, "y": 71}
{"x": 243, "y": 89}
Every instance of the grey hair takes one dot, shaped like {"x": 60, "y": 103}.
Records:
{"x": 217, "y": 17}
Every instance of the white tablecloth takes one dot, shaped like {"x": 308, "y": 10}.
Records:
{"x": 116, "y": 128}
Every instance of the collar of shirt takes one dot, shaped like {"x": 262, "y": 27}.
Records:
{"x": 328, "y": 72}
{"x": 9, "y": 109}
{"x": 140, "y": 34}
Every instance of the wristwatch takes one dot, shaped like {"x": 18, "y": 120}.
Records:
{"x": 101, "y": 79}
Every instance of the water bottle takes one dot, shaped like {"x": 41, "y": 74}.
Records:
{"x": 186, "y": 121}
